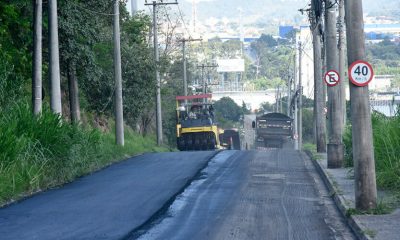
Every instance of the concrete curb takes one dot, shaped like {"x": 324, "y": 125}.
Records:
{"x": 339, "y": 200}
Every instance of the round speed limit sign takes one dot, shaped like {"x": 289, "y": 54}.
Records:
{"x": 361, "y": 73}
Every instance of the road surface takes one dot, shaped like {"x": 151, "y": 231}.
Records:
{"x": 271, "y": 194}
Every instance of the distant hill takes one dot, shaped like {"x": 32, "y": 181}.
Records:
{"x": 285, "y": 10}
{"x": 263, "y": 11}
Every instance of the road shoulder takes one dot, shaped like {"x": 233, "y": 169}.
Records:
{"x": 340, "y": 184}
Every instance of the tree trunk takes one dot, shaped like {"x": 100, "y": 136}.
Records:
{"x": 73, "y": 94}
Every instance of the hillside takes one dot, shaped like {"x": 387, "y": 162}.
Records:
{"x": 265, "y": 10}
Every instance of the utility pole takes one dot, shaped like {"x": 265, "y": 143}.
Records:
{"x": 37, "y": 58}
{"x": 134, "y": 7}
{"x": 300, "y": 120}
{"x": 155, "y": 4}
{"x": 119, "y": 112}
{"x": 335, "y": 109}
{"x": 203, "y": 66}
{"x": 54, "y": 65}
{"x": 363, "y": 148}
{"x": 289, "y": 85}
{"x": 342, "y": 58}
{"x": 319, "y": 100}
{"x": 185, "y": 84}
{"x": 295, "y": 118}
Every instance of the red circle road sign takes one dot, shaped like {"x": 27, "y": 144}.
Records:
{"x": 361, "y": 73}
{"x": 332, "y": 78}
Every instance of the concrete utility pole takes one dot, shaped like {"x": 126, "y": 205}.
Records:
{"x": 54, "y": 65}
{"x": 37, "y": 58}
{"x": 335, "y": 107}
{"x": 134, "y": 7}
{"x": 158, "y": 79}
{"x": 319, "y": 100}
{"x": 119, "y": 112}
{"x": 363, "y": 148}
{"x": 185, "y": 84}
{"x": 289, "y": 89}
{"x": 203, "y": 66}
{"x": 342, "y": 59}
{"x": 295, "y": 118}
{"x": 300, "y": 120}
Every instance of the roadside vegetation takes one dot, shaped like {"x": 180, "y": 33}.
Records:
{"x": 48, "y": 150}
{"x": 37, "y": 153}
{"x": 386, "y": 136}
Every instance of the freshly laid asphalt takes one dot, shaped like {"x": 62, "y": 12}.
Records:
{"x": 106, "y": 205}
{"x": 270, "y": 194}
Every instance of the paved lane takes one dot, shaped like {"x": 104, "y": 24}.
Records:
{"x": 106, "y": 205}
{"x": 273, "y": 194}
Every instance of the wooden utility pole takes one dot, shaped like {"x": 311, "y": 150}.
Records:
{"x": 119, "y": 115}
{"x": 185, "y": 84}
{"x": 155, "y": 4}
{"x": 300, "y": 120}
{"x": 335, "y": 109}
{"x": 37, "y": 58}
{"x": 54, "y": 65}
{"x": 363, "y": 148}
{"x": 319, "y": 100}
{"x": 342, "y": 59}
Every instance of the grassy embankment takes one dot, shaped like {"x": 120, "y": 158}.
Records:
{"x": 37, "y": 153}
{"x": 386, "y": 137}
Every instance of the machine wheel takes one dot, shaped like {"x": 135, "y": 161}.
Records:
{"x": 211, "y": 142}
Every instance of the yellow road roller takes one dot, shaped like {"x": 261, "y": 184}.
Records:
{"x": 196, "y": 128}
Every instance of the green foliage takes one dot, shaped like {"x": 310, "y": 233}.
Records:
{"x": 15, "y": 44}
{"x": 267, "y": 107}
{"x": 386, "y": 137}
{"x": 45, "y": 151}
{"x": 275, "y": 60}
{"x": 385, "y": 57}
{"x": 227, "y": 109}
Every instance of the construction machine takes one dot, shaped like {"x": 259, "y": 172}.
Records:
{"x": 196, "y": 128}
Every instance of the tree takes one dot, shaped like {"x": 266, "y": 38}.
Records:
{"x": 227, "y": 109}
{"x": 79, "y": 30}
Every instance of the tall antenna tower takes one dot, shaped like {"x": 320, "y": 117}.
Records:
{"x": 194, "y": 14}
{"x": 134, "y": 6}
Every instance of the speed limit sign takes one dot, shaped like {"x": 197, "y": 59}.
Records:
{"x": 361, "y": 73}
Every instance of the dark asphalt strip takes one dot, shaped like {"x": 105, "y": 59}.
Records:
{"x": 159, "y": 215}
{"x": 109, "y": 204}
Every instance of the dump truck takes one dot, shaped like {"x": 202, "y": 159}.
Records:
{"x": 273, "y": 130}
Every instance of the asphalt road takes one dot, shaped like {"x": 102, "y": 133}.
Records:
{"x": 271, "y": 194}
{"x": 109, "y": 204}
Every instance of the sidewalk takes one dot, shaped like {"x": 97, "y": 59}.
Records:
{"x": 340, "y": 183}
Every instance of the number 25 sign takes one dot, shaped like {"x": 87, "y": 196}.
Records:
{"x": 361, "y": 73}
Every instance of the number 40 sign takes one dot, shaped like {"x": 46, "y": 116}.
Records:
{"x": 361, "y": 73}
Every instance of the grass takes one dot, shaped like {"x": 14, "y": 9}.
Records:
{"x": 386, "y": 137}
{"x": 381, "y": 208}
{"x": 37, "y": 153}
